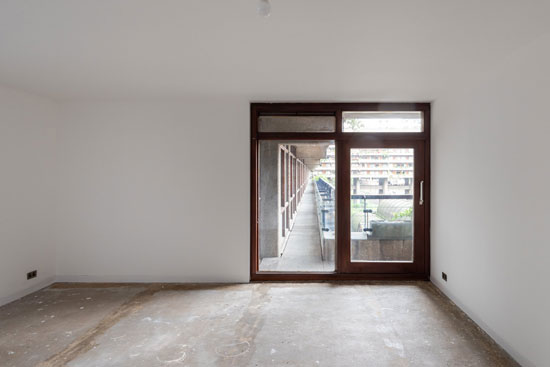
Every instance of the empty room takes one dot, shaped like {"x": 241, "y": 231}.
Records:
{"x": 274, "y": 183}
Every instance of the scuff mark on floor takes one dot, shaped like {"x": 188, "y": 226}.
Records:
{"x": 233, "y": 350}
{"x": 240, "y": 351}
{"x": 87, "y": 341}
{"x": 179, "y": 355}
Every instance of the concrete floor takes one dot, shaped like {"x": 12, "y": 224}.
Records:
{"x": 260, "y": 324}
{"x": 303, "y": 248}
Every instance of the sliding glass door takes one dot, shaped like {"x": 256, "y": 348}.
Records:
{"x": 384, "y": 208}
{"x": 340, "y": 191}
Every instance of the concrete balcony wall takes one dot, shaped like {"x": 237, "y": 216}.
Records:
{"x": 382, "y": 250}
{"x": 369, "y": 249}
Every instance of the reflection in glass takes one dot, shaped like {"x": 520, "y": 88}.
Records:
{"x": 303, "y": 124}
{"x": 382, "y": 205}
{"x": 378, "y": 121}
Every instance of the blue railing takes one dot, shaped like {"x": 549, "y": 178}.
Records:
{"x": 325, "y": 204}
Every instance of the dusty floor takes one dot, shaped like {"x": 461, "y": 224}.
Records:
{"x": 262, "y": 324}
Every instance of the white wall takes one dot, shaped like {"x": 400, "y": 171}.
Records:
{"x": 27, "y": 192}
{"x": 154, "y": 191}
{"x": 491, "y": 201}
{"x": 159, "y": 191}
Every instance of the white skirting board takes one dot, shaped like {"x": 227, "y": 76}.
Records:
{"x": 509, "y": 349}
{"x": 142, "y": 279}
{"x": 22, "y": 293}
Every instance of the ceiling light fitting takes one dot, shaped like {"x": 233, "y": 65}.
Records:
{"x": 264, "y": 8}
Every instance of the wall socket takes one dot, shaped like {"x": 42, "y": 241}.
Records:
{"x": 444, "y": 276}
{"x": 32, "y": 274}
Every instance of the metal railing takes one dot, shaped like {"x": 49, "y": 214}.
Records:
{"x": 326, "y": 205}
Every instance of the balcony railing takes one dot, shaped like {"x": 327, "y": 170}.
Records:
{"x": 368, "y": 205}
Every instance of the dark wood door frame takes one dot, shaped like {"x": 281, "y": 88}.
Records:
{"x": 417, "y": 266}
{"x": 342, "y": 142}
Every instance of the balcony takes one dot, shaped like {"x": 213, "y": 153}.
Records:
{"x": 381, "y": 225}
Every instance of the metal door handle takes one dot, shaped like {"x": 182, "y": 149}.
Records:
{"x": 421, "y": 202}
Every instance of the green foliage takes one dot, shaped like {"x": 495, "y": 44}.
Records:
{"x": 354, "y": 124}
{"x": 323, "y": 177}
{"x": 407, "y": 213}
{"x": 319, "y": 177}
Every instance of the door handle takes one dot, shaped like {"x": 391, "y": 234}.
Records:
{"x": 421, "y": 201}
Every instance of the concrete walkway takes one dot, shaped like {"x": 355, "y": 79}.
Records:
{"x": 303, "y": 249}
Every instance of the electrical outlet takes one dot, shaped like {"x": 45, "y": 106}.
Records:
{"x": 32, "y": 274}
{"x": 444, "y": 276}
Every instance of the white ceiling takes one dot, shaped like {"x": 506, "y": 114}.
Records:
{"x": 332, "y": 49}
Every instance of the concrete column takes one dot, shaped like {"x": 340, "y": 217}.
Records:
{"x": 384, "y": 184}
{"x": 269, "y": 199}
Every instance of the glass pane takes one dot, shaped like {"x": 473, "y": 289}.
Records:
{"x": 388, "y": 122}
{"x": 382, "y": 205}
{"x": 296, "y": 218}
{"x": 302, "y": 124}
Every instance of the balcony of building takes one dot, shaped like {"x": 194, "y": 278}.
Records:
{"x": 298, "y": 211}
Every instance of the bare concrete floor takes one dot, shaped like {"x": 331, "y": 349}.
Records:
{"x": 261, "y": 324}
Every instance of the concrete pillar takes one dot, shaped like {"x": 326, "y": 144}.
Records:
{"x": 269, "y": 199}
{"x": 357, "y": 184}
{"x": 384, "y": 184}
